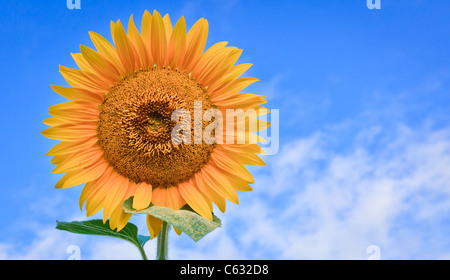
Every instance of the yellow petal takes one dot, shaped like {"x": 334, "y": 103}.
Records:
{"x": 54, "y": 122}
{"x": 249, "y": 159}
{"x": 158, "y": 40}
{"x": 146, "y": 34}
{"x": 209, "y": 192}
{"x": 233, "y": 73}
{"x": 78, "y": 94}
{"x": 174, "y": 198}
{"x": 232, "y": 88}
{"x": 142, "y": 196}
{"x": 228, "y": 164}
{"x": 58, "y": 159}
{"x": 242, "y": 187}
{"x": 242, "y": 148}
{"x": 223, "y": 67}
{"x": 100, "y": 65}
{"x": 239, "y": 184}
{"x": 219, "y": 182}
{"x": 87, "y": 188}
{"x": 159, "y": 197}
{"x": 75, "y": 111}
{"x": 79, "y": 160}
{"x": 82, "y": 63}
{"x": 167, "y": 26}
{"x": 64, "y": 122}
{"x": 97, "y": 193}
{"x": 74, "y": 106}
{"x": 195, "y": 44}
{"x": 218, "y": 65}
{"x": 207, "y": 196}
{"x": 117, "y": 190}
{"x": 119, "y": 218}
{"x": 92, "y": 187}
{"x": 247, "y": 122}
{"x": 136, "y": 40}
{"x": 124, "y": 47}
{"x": 107, "y": 50}
{"x": 78, "y": 79}
{"x": 78, "y": 177}
{"x": 132, "y": 186}
{"x": 243, "y": 101}
{"x": 177, "y": 43}
{"x": 177, "y": 231}
{"x": 195, "y": 199}
{"x": 70, "y": 133}
{"x": 208, "y": 56}
{"x": 154, "y": 226}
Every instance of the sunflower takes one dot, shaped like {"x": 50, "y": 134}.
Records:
{"x": 115, "y": 132}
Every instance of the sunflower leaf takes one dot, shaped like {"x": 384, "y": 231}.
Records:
{"x": 184, "y": 219}
{"x": 143, "y": 239}
{"x": 97, "y": 227}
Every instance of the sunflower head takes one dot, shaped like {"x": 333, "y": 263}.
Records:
{"x": 116, "y": 131}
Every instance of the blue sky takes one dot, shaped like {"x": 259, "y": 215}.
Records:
{"x": 363, "y": 96}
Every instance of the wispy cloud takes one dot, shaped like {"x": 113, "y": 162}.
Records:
{"x": 388, "y": 188}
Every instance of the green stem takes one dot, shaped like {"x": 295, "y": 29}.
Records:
{"x": 141, "y": 250}
{"x": 163, "y": 242}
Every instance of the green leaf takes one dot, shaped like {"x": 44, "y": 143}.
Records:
{"x": 97, "y": 227}
{"x": 184, "y": 219}
{"x": 143, "y": 239}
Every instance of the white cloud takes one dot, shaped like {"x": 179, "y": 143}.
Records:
{"x": 47, "y": 244}
{"x": 319, "y": 198}
{"x": 389, "y": 187}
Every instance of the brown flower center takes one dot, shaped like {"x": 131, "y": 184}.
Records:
{"x": 135, "y": 127}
